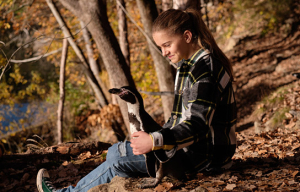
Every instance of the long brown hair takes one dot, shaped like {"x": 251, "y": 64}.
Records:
{"x": 177, "y": 22}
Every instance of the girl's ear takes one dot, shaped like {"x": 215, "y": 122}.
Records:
{"x": 187, "y": 36}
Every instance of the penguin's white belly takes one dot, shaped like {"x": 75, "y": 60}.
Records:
{"x": 135, "y": 121}
{"x": 133, "y": 128}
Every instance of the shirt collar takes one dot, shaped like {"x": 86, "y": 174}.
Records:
{"x": 196, "y": 56}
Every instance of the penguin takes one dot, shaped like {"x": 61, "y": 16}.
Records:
{"x": 140, "y": 120}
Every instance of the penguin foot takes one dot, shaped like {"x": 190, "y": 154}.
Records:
{"x": 148, "y": 183}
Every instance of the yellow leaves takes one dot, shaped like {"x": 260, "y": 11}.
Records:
{"x": 11, "y": 128}
{"x": 21, "y": 94}
{"x": 5, "y": 91}
{"x": 21, "y": 121}
{"x": 17, "y": 77}
{"x": 7, "y": 26}
{"x": 36, "y": 78}
{"x": 3, "y": 61}
{"x": 34, "y": 88}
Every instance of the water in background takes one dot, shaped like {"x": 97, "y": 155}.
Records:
{"x": 20, "y": 116}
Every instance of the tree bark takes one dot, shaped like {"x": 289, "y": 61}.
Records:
{"x": 184, "y": 4}
{"x": 123, "y": 31}
{"x": 167, "y": 4}
{"x": 163, "y": 69}
{"x": 93, "y": 13}
{"x": 92, "y": 62}
{"x": 60, "y": 109}
{"x": 205, "y": 2}
{"x": 86, "y": 69}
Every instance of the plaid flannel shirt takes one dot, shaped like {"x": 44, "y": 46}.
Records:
{"x": 202, "y": 123}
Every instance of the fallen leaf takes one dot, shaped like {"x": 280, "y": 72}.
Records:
{"x": 218, "y": 182}
{"x": 210, "y": 189}
{"x": 288, "y": 115}
{"x": 262, "y": 151}
{"x": 233, "y": 179}
{"x": 165, "y": 186}
{"x": 259, "y": 174}
{"x": 291, "y": 182}
{"x": 251, "y": 187}
{"x": 65, "y": 163}
{"x": 295, "y": 147}
{"x": 230, "y": 186}
{"x": 290, "y": 125}
{"x": 85, "y": 155}
{"x": 295, "y": 173}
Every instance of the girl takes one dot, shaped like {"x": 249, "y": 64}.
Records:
{"x": 203, "y": 119}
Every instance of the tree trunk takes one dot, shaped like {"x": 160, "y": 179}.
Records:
{"x": 86, "y": 69}
{"x": 166, "y": 4}
{"x": 61, "y": 92}
{"x": 163, "y": 69}
{"x": 93, "y": 13}
{"x": 92, "y": 62}
{"x": 205, "y": 2}
{"x": 123, "y": 31}
{"x": 184, "y": 4}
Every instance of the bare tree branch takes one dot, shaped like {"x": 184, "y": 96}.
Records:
{"x": 35, "y": 58}
{"x": 157, "y": 93}
{"x": 60, "y": 108}
{"x": 8, "y": 60}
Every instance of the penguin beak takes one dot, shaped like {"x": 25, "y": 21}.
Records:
{"x": 115, "y": 91}
{"x": 120, "y": 92}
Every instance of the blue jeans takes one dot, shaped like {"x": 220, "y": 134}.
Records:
{"x": 120, "y": 161}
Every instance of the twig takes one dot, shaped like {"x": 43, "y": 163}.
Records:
{"x": 158, "y": 93}
{"x": 35, "y": 58}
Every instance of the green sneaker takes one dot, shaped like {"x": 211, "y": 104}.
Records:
{"x": 43, "y": 181}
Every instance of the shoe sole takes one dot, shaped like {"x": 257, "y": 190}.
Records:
{"x": 39, "y": 180}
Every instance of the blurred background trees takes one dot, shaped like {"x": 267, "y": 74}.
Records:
{"x": 31, "y": 42}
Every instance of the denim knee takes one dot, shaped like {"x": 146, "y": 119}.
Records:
{"x": 112, "y": 155}
{"x": 124, "y": 163}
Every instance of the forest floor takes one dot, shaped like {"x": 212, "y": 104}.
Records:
{"x": 268, "y": 151}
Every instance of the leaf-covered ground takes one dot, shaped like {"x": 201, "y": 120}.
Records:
{"x": 267, "y": 156}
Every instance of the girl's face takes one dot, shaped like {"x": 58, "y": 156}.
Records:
{"x": 175, "y": 47}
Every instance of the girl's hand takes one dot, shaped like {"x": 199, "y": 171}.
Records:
{"x": 141, "y": 143}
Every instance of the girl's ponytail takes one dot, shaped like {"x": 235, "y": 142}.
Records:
{"x": 206, "y": 40}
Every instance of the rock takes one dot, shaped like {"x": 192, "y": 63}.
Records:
{"x": 121, "y": 184}
{"x": 116, "y": 184}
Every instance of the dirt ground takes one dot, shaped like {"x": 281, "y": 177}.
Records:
{"x": 266, "y": 160}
